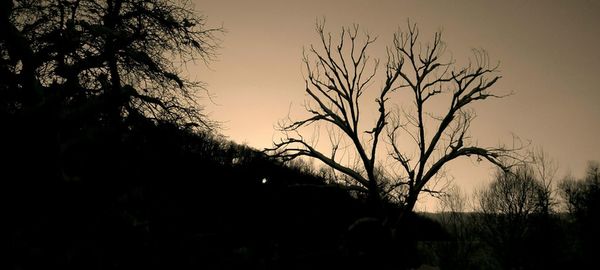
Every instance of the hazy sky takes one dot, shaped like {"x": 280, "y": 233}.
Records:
{"x": 548, "y": 51}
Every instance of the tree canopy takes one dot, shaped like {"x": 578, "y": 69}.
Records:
{"x": 121, "y": 57}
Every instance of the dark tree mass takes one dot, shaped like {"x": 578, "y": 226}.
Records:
{"x": 118, "y": 55}
{"x": 110, "y": 162}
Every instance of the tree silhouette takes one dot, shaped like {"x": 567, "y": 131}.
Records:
{"x": 454, "y": 216}
{"x": 514, "y": 214}
{"x": 114, "y": 56}
{"x": 340, "y": 73}
{"x": 582, "y": 197}
{"x": 92, "y": 94}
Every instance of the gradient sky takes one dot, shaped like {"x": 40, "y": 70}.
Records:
{"x": 548, "y": 51}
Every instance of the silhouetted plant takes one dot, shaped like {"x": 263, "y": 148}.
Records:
{"x": 461, "y": 250}
{"x": 515, "y": 216}
{"x": 115, "y": 56}
{"x": 341, "y": 72}
{"x": 582, "y": 198}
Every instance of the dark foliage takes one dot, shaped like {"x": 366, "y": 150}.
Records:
{"x": 583, "y": 203}
{"x": 162, "y": 196}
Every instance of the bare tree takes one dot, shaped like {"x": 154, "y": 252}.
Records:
{"x": 459, "y": 223}
{"x": 514, "y": 214}
{"x": 454, "y": 204}
{"x": 582, "y": 197}
{"x": 454, "y": 201}
{"x": 338, "y": 74}
{"x": 545, "y": 169}
{"x": 513, "y": 194}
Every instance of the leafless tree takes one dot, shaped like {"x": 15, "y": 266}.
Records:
{"x": 545, "y": 169}
{"x": 338, "y": 74}
{"x": 454, "y": 201}
{"x": 454, "y": 204}
{"x": 512, "y": 194}
{"x": 459, "y": 222}
{"x": 581, "y": 196}
{"x": 514, "y": 214}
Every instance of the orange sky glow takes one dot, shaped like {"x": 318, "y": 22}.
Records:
{"x": 548, "y": 53}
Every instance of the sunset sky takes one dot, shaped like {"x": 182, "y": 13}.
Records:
{"x": 548, "y": 51}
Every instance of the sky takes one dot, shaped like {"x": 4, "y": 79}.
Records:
{"x": 547, "y": 51}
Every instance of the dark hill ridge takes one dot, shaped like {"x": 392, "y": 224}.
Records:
{"x": 162, "y": 196}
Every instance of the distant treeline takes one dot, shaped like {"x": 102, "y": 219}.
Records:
{"x": 522, "y": 220}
